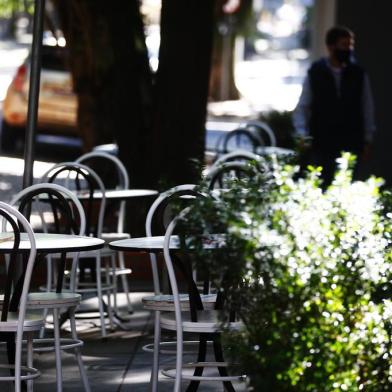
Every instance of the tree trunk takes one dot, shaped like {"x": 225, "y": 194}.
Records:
{"x": 111, "y": 75}
{"x": 228, "y": 26}
{"x": 161, "y": 138}
{"x": 182, "y": 90}
{"x": 222, "y": 84}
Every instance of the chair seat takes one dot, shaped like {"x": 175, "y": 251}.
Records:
{"x": 166, "y": 302}
{"x": 208, "y": 322}
{"x": 32, "y": 322}
{"x": 52, "y": 300}
{"x": 120, "y": 271}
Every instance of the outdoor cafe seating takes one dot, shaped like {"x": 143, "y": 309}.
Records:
{"x": 78, "y": 208}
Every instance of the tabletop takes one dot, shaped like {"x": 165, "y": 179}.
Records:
{"x": 270, "y": 150}
{"x": 118, "y": 194}
{"x": 155, "y": 243}
{"x": 53, "y": 243}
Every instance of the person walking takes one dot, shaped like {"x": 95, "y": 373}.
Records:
{"x": 336, "y": 105}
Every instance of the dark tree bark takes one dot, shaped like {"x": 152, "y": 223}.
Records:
{"x": 227, "y": 27}
{"x": 222, "y": 84}
{"x": 111, "y": 75}
{"x": 182, "y": 89}
{"x": 159, "y": 127}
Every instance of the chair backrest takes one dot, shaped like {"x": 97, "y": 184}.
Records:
{"x": 220, "y": 176}
{"x": 52, "y": 208}
{"x": 16, "y": 288}
{"x": 239, "y": 138}
{"x": 97, "y": 156}
{"x": 264, "y": 131}
{"x": 173, "y": 277}
{"x": 80, "y": 177}
{"x": 171, "y": 272}
{"x": 103, "y": 163}
{"x": 162, "y": 203}
{"x": 67, "y": 213}
{"x": 241, "y": 156}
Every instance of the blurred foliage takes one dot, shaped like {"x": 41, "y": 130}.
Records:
{"x": 10, "y": 7}
{"x": 307, "y": 271}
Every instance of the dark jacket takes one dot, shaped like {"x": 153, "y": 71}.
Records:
{"x": 336, "y": 121}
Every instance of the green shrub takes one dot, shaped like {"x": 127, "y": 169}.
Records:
{"x": 309, "y": 274}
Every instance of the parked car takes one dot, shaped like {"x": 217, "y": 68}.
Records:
{"x": 57, "y": 103}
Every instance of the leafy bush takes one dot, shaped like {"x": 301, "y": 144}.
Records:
{"x": 309, "y": 274}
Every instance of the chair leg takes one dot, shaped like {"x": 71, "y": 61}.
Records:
{"x": 179, "y": 353}
{"x": 30, "y": 359}
{"x": 100, "y": 296}
{"x": 109, "y": 295}
{"x": 49, "y": 274}
{"x": 219, "y": 358}
{"x": 49, "y": 277}
{"x": 57, "y": 349}
{"x": 114, "y": 277}
{"x": 124, "y": 282}
{"x": 42, "y": 330}
{"x": 201, "y": 357}
{"x": 78, "y": 354}
{"x": 18, "y": 363}
{"x": 155, "y": 365}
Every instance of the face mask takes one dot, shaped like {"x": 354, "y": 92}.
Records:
{"x": 343, "y": 56}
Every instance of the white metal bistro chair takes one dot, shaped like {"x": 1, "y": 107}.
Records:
{"x": 119, "y": 173}
{"x": 182, "y": 321}
{"x": 162, "y": 302}
{"x": 57, "y": 210}
{"x": 15, "y": 321}
{"x": 80, "y": 177}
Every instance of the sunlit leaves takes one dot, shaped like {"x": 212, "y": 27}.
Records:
{"x": 8, "y": 7}
{"x": 312, "y": 276}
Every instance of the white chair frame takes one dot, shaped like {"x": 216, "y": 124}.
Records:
{"x": 239, "y": 156}
{"x": 123, "y": 184}
{"x": 262, "y": 125}
{"x": 108, "y": 287}
{"x": 157, "y": 344}
{"x": 58, "y": 342}
{"x": 215, "y": 171}
{"x": 180, "y": 325}
{"x": 32, "y": 372}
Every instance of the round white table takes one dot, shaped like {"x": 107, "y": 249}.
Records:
{"x": 118, "y": 194}
{"x": 49, "y": 243}
{"x": 155, "y": 243}
{"x": 148, "y": 244}
{"x": 52, "y": 243}
{"x": 278, "y": 151}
